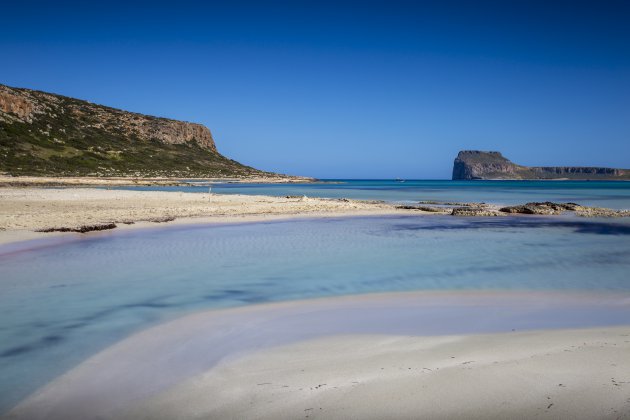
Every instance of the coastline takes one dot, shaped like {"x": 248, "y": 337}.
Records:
{"x": 367, "y": 356}
{"x": 24, "y": 212}
{"x": 37, "y": 212}
{"x": 87, "y": 181}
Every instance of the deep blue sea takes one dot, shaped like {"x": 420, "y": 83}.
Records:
{"x": 65, "y": 301}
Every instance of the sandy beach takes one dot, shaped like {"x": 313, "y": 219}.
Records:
{"x": 577, "y": 374}
{"x": 24, "y": 211}
{"x": 491, "y": 355}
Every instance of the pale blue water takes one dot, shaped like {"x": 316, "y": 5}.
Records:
{"x": 612, "y": 194}
{"x": 60, "y": 304}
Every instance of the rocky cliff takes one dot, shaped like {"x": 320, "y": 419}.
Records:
{"x": 475, "y": 164}
{"x": 47, "y": 134}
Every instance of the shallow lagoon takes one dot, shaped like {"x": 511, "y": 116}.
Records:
{"x": 612, "y": 194}
{"x": 62, "y": 303}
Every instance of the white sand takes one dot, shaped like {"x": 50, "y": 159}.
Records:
{"x": 372, "y": 356}
{"x": 25, "y": 210}
{"x": 569, "y": 374}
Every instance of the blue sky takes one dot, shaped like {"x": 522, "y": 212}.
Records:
{"x": 347, "y": 89}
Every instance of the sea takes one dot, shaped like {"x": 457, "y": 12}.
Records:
{"x": 63, "y": 300}
{"x": 611, "y": 194}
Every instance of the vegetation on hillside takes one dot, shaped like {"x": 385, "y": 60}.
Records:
{"x": 69, "y": 137}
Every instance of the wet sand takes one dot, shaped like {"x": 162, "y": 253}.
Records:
{"x": 398, "y": 355}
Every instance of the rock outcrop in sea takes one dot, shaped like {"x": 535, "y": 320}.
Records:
{"x": 475, "y": 164}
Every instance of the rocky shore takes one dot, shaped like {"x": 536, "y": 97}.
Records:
{"x": 546, "y": 208}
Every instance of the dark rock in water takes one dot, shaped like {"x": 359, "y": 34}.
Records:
{"x": 537, "y": 208}
{"x": 475, "y": 164}
{"x": 80, "y": 229}
{"x": 164, "y": 219}
{"x": 428, "y": 209}
{"x": 546, "y": 208}
{"x": 424, "y": 208}
{"x": 431, "y": 209}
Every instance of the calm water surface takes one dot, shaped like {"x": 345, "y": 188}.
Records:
{"x": 612, "y": 194}
{"x": 60, "y": 304}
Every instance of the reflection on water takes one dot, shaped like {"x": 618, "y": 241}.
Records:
{"x": 60, "y": 304}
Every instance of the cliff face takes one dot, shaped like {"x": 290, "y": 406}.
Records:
{"x": 26, "y": 105}
{"x": 47, "y": 134}
{"x": 474, "y": 164}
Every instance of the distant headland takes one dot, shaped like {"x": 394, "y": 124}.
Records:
{"x": 475, "y": 164}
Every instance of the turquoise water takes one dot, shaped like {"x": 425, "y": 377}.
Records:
{"x": 60, "y": 304}
{"x": 612, "y": 194}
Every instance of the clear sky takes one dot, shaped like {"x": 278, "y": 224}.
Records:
{"x": 347, "y": 89}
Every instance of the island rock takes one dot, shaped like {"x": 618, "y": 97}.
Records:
{"x": 475, "y": 164}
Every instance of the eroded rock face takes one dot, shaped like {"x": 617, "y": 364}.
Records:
{"x": 563, "y": 171}
{"x": 475, "y": 164}
{"x": 19, "y": 106}
{"x": 25, "y": 105}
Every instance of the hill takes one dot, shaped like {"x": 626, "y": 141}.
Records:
{"x": 46, "y": 134}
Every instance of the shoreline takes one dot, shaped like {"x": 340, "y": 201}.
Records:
{"x": 25, "y": 211}
{"x": 341, "y": 340}
{"x": 22, "y": 240}
{"x": 34, "y": 213}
